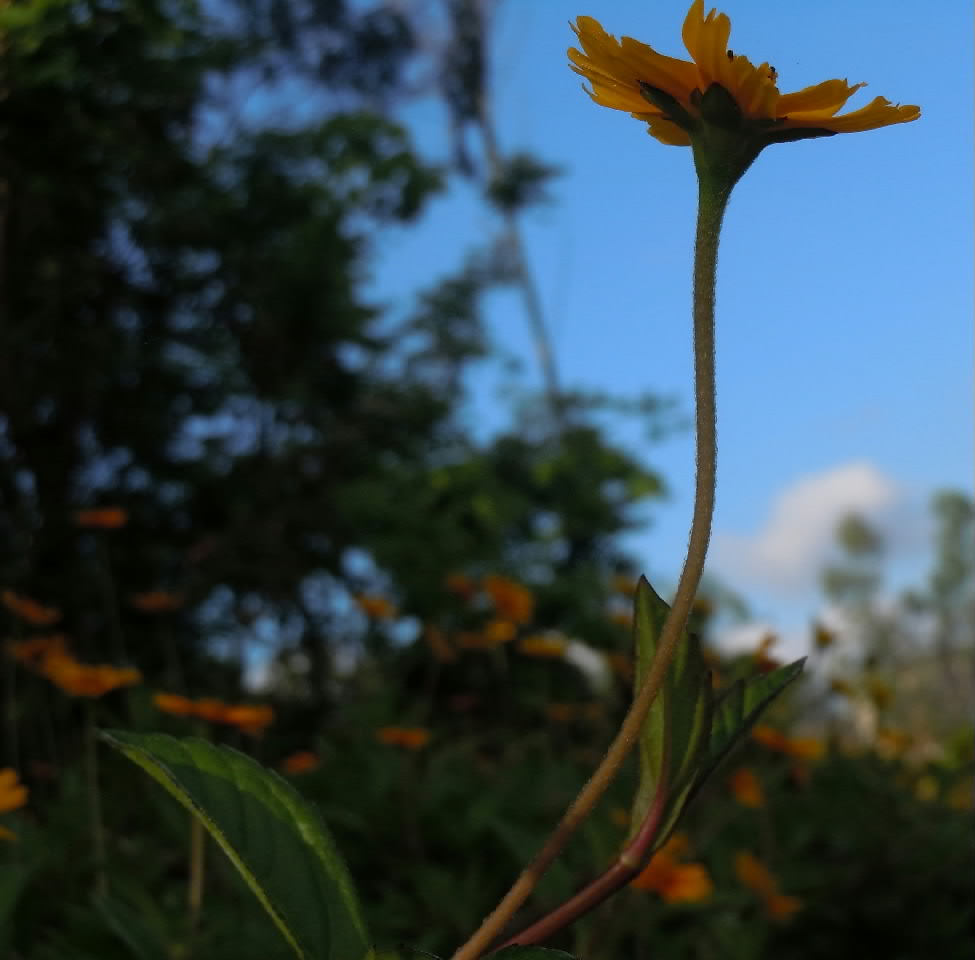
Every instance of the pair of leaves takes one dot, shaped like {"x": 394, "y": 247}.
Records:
{"x": 277, "y": 841}
{"x": 688, "y": 732}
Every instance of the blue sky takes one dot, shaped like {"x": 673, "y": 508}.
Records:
{"x": 844, "y": 324}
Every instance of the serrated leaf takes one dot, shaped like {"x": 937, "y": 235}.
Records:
{"x": 675, "y": 732}
{"x": 273, "y": 836}
{"x": 736, "y": 711}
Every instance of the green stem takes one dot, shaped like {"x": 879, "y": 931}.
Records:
{"x": 95, "y": 801}
{"x": 712, "y": 202}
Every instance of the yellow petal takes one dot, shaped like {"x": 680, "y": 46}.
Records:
{"x": 706, "y": 39}
{"x": 824, "y": 98}
{"x": 880, "y": 112}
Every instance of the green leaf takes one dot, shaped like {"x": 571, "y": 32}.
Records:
{"x": 675, "y": 733}
{"x": 273, "y": 836}
{"x": 736, "y": 711}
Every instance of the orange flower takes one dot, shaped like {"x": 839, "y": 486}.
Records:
{"x": 252, "y": 719}
{"x": 210, "y": 709}
{"x": 754, "y": 875}
{"x": 461, "y": 585}
{"x": 35, "y": 650}
{"x": 677, "y": 104}
{"x": 499, "y": 632}
{"x": 156, "y": 601}
{"x": 551, "y": 645}
{"x": 675, "y": 882}
{"x": 781, "y": 906}
{"x": 511, "y": 600}
{"x": 30, "y": 611}
{"x": 102, "y": 518}
{"x": 439, "y": 645}
{"x": 85, "y": 680}
{"x": 175, "y": 704}
{"x": 747, "y": 788}
{"x": 624, "y": 584}
{"x": 301, "y": 762}
{"x": 377, "y": 607}
{"x": 410, "y": 738}
{"x": 622, "y": 618}
{"x": 805, "y": 748}
{"x": 13, "y": 794}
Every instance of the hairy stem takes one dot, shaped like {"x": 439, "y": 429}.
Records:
{"x": 713, "y": 199}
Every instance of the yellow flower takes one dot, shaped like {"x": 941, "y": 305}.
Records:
{"x": 841, "y": 686}
{"x": 511, "y": 600}
{"x": 675, "y": 882}
{"x": 439, "y": 645}
{"x": 752, "y": 873}
{"x": 30, "y": 611}
{"x": 156, "y": 601}
{"x": 85, "y": 680}
{"x": 805, "y": 748}
{"x": 823, "y": 639}
{"x": 13, "y": 794}
{"x": 35, "y": 650}
{"x": 379, "y": 608}
{"x": 102, "y": 518}
{"x": 676, "y": 97}
{"x": 210, "y": 709}
{"x": 248, "y": 718}
{"x": 498, "y": 632}
{"x": 410, "y": 738}
{"x": 301, "y": 762}
{"x": 747, "y": 788}
{"x": 625, "y": 585}
{"x": 551, "y": 645}
{"x": 175, "y": 704}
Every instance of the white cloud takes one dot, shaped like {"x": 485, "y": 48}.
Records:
{"x": 787, "y": 553}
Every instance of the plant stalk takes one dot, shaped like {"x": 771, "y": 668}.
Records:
{"x": 712, "y": 202}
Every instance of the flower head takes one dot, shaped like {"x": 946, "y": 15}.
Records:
{"x": 410, "y": 738}
{"x": 13, "y": 794}
{"x": 803, "y": 748}
{"x": 675, "y": 882}
{"x": 30, "y": 611}
{"x": 511, "y": 600}
{"x": 546, "y": 645}
{"x": 301, "y": 762}
{"x": 156, "y": 601}
{"x": 754, "y": 875}
{"x": 747, "y": 788}
{"x": 680, "y": 100}
{"x": 102, "y": 518}
{"x": 87, "y": 680}
{"x": 33, "y": 651}
{"x": 375, "y": 606}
